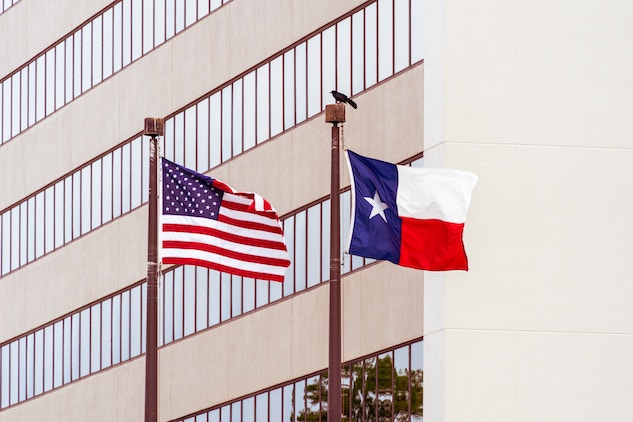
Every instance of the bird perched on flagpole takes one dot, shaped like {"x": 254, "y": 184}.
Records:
{"x": 342, "y": 98}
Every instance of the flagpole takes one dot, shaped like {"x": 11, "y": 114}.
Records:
{"x": 335, "y": 114}
{"x": 154, "y": 127}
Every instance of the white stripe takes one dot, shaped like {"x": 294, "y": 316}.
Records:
{"x": 256, "y": 251}
{"x": 228, "y": 228}
{"x": 434, "y": 193}
{"x": 223, "y": 260}
{"x": 249, "y": 216}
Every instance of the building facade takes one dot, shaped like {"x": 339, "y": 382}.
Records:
{"x": 532, "y": 97}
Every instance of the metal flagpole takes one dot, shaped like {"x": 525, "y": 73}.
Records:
{"x": 335, "y": 114}
{"x": 154, "y": 127}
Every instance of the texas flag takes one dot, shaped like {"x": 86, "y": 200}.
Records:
{"x": 413, "y": 217}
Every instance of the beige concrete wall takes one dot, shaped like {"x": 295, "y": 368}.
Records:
{"x": 531, "y": 97}
{"x": 289, "y": 339}
{"x": 115, "y": 395}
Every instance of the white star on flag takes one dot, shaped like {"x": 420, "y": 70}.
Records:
{"x": 378, "y": 207}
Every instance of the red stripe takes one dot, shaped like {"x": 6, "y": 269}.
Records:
{"x": 224, "y": 268}
{"x": 258, "y": 259}
{"x": 432, "y": 245}
{"x": 185, "y": 228}
{"x": 267, "y": 212}
{"x": 250, "y": 224}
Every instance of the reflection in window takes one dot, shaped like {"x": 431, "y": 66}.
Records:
{"x": 383, "y": 387}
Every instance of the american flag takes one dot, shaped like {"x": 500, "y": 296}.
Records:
{"x": 206, "y": 223}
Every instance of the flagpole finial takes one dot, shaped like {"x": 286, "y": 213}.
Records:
{"x": 335, "y": 113}
{"x": 154, "y": 126}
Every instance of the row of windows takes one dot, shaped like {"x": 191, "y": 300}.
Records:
{"x": 129, "y": 29}
{"x": 286, "y": 90}
{"x": 191, "y": 299}
{"x": 384, "y": 387}
{"x": 6, "y": 4}
{"x": 121, "y": 34}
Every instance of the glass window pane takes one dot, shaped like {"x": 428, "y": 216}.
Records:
{"x": 300, "y": 251}
{"x": 32, "y": 92}
{"x": 127, "y": 32}
{"x": 301, "y": 80}
{"x": 189, "y": 300}
{"x": 276, "y": 96}
{"x": 24, "y": 99}
{"x": 328, "y": 64}
{"x": 178, "y": 303}
{"x": 385, "y": 39}
{"x": 215, "y": 133}
{"x": 126, "y": 180}
{"x": 86, "y": 184}
{"x": 314, "y": 75}
{"x": 236, "y": 295}
{"x": 263, "y": 103}
{"x": 289, "y": 237}
{"x": 50, "y": 81}
{"x": 39, "y": 224}
{"x": 202, "y": 298}
{"x": 23, "y": 233}
{"x": 15, "y": 237}
{"x": 371, "y": 46}
{"x": 86, "y": 57}
{"x": 107, "y": 49}
{"x": 401, "y": 34}
{"x": 59, "y": 214}
{"x": 137, "y": 172}
{"x": 84, "y": 340}
{"x": 261, "y": 406}
{"x": 214, "y": 298}
{"x": 96, "y": 194}
{"x": 168, "y": 307}
{"x": 225, "y": 296}
{"x": 358, "y": 52}
{"x": 313, "y": 244}
{"x": 125, "y": 326}
{"x": 116, "y": 329}
{"x": 67, "y": 351}
{"x": 135, "y": 321}
{"x": 49, "y": 220}
{"x": 190, "y": 141}
{"x": 203, "y": 135}
{"x": 159, "y": 22}
{"x": 106, "y": 333}
{"x": 344, "y": 56}
{"x": 117, "y": 37}
{"x": 97, "y": 50}
{"x": 117, "y": 183}
{"x": 248, "y": 294}
{"x": 95, "y": 338}
{"x": 106, "y": 188}
{"x": 137, "y": 27}
{"x": 249, "y": 110}
{"x": 226, "y": 128}
{"x": 236, "y": 118}
{"x": 179, "y": 137}
{"x": 289, "y": 89}
{"x": 417, "y": 31}
{"x": 40, "y": 86}
{"x": 261, "y": 290}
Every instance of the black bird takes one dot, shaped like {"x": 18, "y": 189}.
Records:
{"x": 342, "y": 98}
